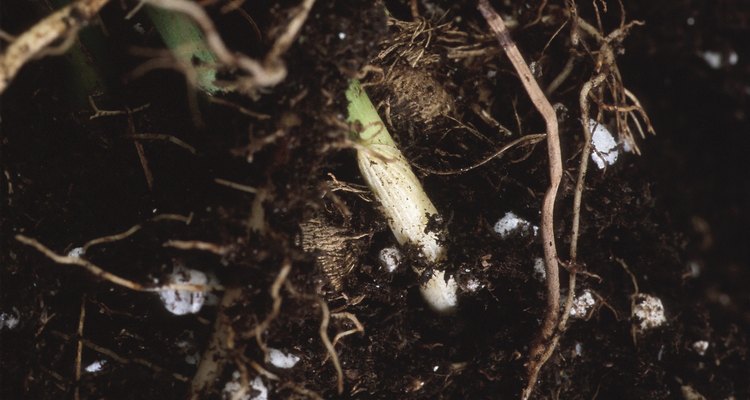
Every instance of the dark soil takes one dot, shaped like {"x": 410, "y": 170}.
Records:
{"x": 677, "y": 215}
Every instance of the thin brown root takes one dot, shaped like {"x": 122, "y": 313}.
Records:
{"x": 286, "y": 39}
{"x": 79, "y": 349}
{"x": 141, "y": 153}
{"x": 68, "y": 40}
{"x": 112, "y": 238}
{"x": 275, "y": 292}
{"x": 624, "y": 266}
{"x": 174, "y": 217}
{"x": 31, "y": 44}
{"x": 243, "y": 110}
{"x": 262, "y": 371}
{"x": 144, "y": 165}
{"x": 60, "y": 382}
{"x": 99, "y": 113}
{"x": 122, "y": 359}
{"x": 358, "y": 327}
{"x": 214, "y": 357}
{"x": 135, "y": 228}
{"x": 236, "y": 186}
{"x": 103, "y": 274}
{"x": 169, "y": 138}
{"x": 329, "y": 346}
{"x": 6, "y": 36}
{"x": 197, "y": 245}
{"x": 562, "y": 76}
{"x": 524, "y": 140}
{"x": 583, "y": 166}
{"x": 545, "y": 343}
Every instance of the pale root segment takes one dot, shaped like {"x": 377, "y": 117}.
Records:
{"x": 405, "y": 204}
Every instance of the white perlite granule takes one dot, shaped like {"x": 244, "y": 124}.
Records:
{"x": 648, "y": 312}
{"x": 76, "y": 252}
{"x": 540, "y": 269}
{"x": 96, "y": 366}
{"x": 279, "y": 359}
{"x": 233, "y": 390}
{"x": 604, "y": 151}
{"x": 10, "y": 320}
{"x": 390, "y": 258}
{"x": 582, "y": 304}
{"x": 181, "y": 302}
{"x": 700, "y": 347}
{"x": 510, "y": 223}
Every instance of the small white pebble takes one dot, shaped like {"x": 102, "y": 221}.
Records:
{"x": 579, "y": 349}
{"x": 139, "y": 28}
{"x": 511, "y": 223}
{"x": 435, "y": 368}
{"x": 648, "y": 312}
{"x": 694, "y": 269}
{"x": 76, "y": 252}
{"x": 712, "y": 58}
{"x": 690, "y": 21}
{"x": 582, "y": 304}
{"x": 181, "y": 302}
{"x": 604, "y": 151}
{"x": 281, "y": 360}
{"x": 540, "y": 270}
{"x": 96, "y": 366}
{"x": 390, "y": 258}
{"x": 10, "y": 320}
{"x": 733, "y": 58}
{"x": 491, "y": 73}
{"x": 342, "y": 35}
{"x": 700, "y": 347}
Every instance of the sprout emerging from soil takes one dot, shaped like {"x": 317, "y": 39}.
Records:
{"x": 404, "y": 202}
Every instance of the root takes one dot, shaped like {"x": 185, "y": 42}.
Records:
{"x": 197, "y": 245}
{"x": 112, "y": 238}
{"x": 79, "y": 349}
{"x": 522, "y": 141}
{"x": 169, "y": 138}
{"x": 544, "y": 344}
{"x": 260, "y": 74}
{"x": 36, "y": 42}
{"x": 122, "y": 359}
{"x": 358, "y": 327}
{"x": 99, "y": 113}
{"x": 275, "y": 290}
{"x": 236, "y": 186}
{"x": 329, "y": 346}
{"x": 215, "y": 355}
{"x": 103, "y": 274}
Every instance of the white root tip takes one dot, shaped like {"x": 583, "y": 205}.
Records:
{"x": 439, "y": 294}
